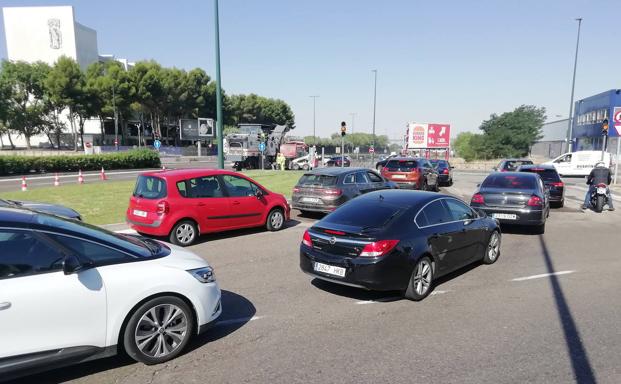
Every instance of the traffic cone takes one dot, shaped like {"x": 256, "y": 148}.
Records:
{"x": 80, "y": 177}
{"x": 102, "y": 175}
{"x": 24, "y": 185}
{"x": 56, "y": 180}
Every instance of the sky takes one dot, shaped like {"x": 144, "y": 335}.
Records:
{"x": 443, "y": 61}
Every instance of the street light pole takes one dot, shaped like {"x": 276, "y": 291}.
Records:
{"x": 116, "y": 121}
{"x": 374, "y": 107}
{"x": 218, "y": 90}
{"x": 314, "y": 119}
{"x": 353, "y": 119}
{"x": 573, "y": 84}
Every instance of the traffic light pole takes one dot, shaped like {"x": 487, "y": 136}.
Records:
{"x": 218, "y": 90}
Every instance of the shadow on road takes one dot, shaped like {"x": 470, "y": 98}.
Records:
{"x": 518, "y": 229}
{"x": 583, "y": 372}
{"x": 239, "y": 232}
{"x": 236, "y": 312}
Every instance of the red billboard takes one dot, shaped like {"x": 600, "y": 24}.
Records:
{"x": 439, "y": 136}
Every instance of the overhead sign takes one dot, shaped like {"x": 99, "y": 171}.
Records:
{"x": 438, "y": 136}
{"x": 616, "y": 119}
{"x": 196, "y": 129}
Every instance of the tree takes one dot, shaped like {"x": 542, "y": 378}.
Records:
{"x": 512, "y": 134}
{"x": 25, "y": 106}
{"x": 257, "y": 109}
{"x": 147, "y": 79}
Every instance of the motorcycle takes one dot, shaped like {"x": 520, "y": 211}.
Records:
{"x": 599, "y": 197}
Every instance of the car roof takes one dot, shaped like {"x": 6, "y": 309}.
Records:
{"x": 16, "y": 216}
{"x": 402, "y": 197}
{"x": 517, "y": 160}
{"x": 538, "y": 166}
{"x": 188, "y": 172}
{"x": 516, "y": 174}
{"x": 335, "y": 171}
{"x": 406, "y": 158}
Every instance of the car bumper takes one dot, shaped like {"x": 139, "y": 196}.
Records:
{"x": 326, "y": 205}
{"x": 154, "y": 229}
{"x": 406, "y": 184}
{"x": 385, "y": 274}
{"x": 523, "y": 216}
{"x": 208, "y": 306}
{"x": 443, "y": 178}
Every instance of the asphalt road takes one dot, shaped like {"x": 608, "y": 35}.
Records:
{"x": 505, "y": 323}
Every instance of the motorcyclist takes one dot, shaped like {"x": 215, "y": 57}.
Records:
{"x": 599, "y": 175}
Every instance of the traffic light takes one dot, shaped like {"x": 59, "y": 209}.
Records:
{"x": 343, "y": 128}
{"x": 262, "y": 138}
{"x": 605, "y": 127}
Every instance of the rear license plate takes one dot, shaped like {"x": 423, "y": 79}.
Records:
{"x": 398, "y": 176}
{"x": 329, "y": 269}
{"x": 140, "y": 213}
{"x": 505, "y": 216}
{"x": 601, "y": 191}
{"x": 313, "y": 200}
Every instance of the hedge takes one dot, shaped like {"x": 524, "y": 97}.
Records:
{"x": 19, "y": 165}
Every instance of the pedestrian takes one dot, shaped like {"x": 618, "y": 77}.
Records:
{"x": 280, "y": 160}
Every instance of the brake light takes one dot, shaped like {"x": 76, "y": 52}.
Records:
{"x": 306, "y": 239}
{"x": 296, "y": 189}
{"x": 478, "y": 199}
{"x": 378, "y": 248}
{"x": 332, "y": 192}
{"x": 557, "y": 184}
{"x": 601, "y": 185}
{"x": 535, "y": 201}
{"x": 162, "y": 207}
{"x": 445, "y": 171}
{"x": 334, "y": 232}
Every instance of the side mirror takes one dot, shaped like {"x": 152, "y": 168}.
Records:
{"x": 478, "y": 185}
{"x": 452, "y": 167}
{"x": 72, "y": 264}
{"x": 480, "y": 212}
{"x": 258, "y": 193}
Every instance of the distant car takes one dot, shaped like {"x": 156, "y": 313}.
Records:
{"x": 514, "y": 198}
{"x": 382, "y": 161}
{"x": 53, "y": 209}
{"x": 325, "y": 189}
{"x": 335, "y": 161}
{"x": 411, "y": 173}
{"x": 445, "y": 171}
{"x": 183, "y": 204}
{"x": 552, "y": 181}
{"x": 511, "y": 165}
{"x": 98, "y": 292}
{"x": 579, "y": 163}
{"x": 398, "y": 240}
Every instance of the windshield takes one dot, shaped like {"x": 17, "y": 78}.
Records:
{"x": 401, "y": 165}
{"x": 150, "y": 187}
{"x": 138, "y": 246}
{"x": 509, "y": 182}
{"x": 548, "y": 175}
{"x": 439, "y": 163}
{"x": 317, "y": 180}
{"x": 512, "y": 165}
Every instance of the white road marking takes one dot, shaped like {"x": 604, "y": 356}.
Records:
{"x": 239, "y": 320}
{"x": 542, "y": 275}
{"x": 438, "y": 293}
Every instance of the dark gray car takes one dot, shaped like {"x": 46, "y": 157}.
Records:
{"x": 54, "y": 209}
{"x": 324, "y": 190}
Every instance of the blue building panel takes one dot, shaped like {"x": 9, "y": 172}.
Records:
{"x": 589, "y": 116}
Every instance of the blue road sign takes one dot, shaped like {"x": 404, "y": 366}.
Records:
{"x": 157, "y": 144}
{"x": 262, "y": 147}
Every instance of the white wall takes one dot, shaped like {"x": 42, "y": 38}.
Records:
{"x": 39, "y": 33}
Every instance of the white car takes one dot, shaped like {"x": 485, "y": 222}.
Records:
{"x": 72, "y": 292}
{"x": 579, "y": 163}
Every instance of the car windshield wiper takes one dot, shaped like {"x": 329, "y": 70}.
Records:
{"x": 151, "y": 245}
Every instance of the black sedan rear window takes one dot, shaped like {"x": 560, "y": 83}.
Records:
{"x": 150, "y": 187}
{"x": 311, "y": 179}
{"x": 513, "y": 165}
{"x": 548, "y": 175}
{"x": 509, "y": 182}
{"x": 364, "y": 215}
{"x": 401, "y": 165}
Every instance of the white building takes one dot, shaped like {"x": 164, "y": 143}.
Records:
{"x": 45, "y": 34}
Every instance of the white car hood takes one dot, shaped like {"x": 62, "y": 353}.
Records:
{"x": 181, "y": 258}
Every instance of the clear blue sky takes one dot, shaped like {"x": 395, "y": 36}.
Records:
{"x": 438, "y": 61}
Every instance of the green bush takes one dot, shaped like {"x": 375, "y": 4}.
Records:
{"x": 18, "y": 165}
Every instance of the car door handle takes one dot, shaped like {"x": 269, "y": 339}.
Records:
{"x": 236, "y": 202}
{"x": 200, "y": 204}
{"x": 5, "y": 305}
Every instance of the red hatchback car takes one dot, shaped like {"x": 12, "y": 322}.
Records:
{"x": 183, "y": 204}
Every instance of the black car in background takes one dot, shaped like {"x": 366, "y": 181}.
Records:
{"x": 325, "y": 189}
{"x": 552, "y": 181}
{"x": 53, "y": 209}
{"x": 398, "y": 240}
{"x": 511, "y": 165}
{"x": 335, "y": 161}
{"x": 382, "y": 161}
{"x": 514, "y": 198}
{"x": 445, "y": 171}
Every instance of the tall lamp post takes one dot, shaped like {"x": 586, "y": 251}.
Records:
{"x": 353, "y": 119}
{"x": 218, "y": 90}
{"x": 314, "y": 97}
{"x": 573, "y": 84}
{"x": 374, "y": 107}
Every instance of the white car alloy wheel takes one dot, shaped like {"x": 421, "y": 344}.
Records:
{"x": 161, "y": 330}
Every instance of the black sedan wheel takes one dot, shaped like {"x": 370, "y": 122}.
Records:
{"x": 421, "y": 281}
{"x": 493, "y": 249}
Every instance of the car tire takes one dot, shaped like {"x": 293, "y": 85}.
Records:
{"x": 147, "y": 344}
{"x": 275, "y": 220}
{"x": 450, "y": 183}
{"x": 492, "y": 251}
{"x": 423, "y": 186}
{"x": 295, "y": 167}
{"x": 184, "y": 233}
{"x": 561, "y": 204}
{"x": 421, "y": 281}
{"x": 541, "y": 229}
{"x": 306, "y": 167}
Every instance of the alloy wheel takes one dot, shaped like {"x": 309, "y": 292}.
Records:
{"x": 422, "y": 277}
{"x": 493, "y": 248}
{"x": 185, "y": 233}
{"x": 161, "y": 330}
{"x": 277, "y": 219}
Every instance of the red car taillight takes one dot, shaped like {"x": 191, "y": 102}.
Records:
{"x": 296, "y": 189}
{"x": 332, "y": 192}
{"x": 478, "y": 199}
{"x": 557, "y": 184}
{"x": 162, "y": 207}
{"x": 378, "y": 248}
{"x": 535, "y": 201}
{"x": 306, "y": 239}
{"x": 445, "y": 171}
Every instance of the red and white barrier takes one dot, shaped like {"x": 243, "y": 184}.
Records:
{"x": 56, "y": 180}
{"x": 80, "y": 177}
{"x": 24, "y": 185}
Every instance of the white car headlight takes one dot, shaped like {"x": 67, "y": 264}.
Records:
{"x": 204, "y": 275}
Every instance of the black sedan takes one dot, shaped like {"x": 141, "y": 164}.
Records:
{"x": 552, "y": 181}
{"x": 510, "y": 165}
{"x": 335, "y": 161}
{"x": 445, "y": 171}
{"x": 514, "y": 198}
{"x": 53, "y": 209}
{"x": 398, "y": 240}
{"x": 325, "y": 189}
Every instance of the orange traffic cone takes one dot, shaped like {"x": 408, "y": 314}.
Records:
{"x": 24, "y": 185}
{"x": 102, "y": 175}
{"x": 80, "y": 177}
{"x": 56, "y": 180}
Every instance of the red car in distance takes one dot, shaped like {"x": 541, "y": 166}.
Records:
{"x": 186, "y": 203}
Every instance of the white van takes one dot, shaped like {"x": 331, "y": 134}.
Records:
{"x": 578, "y": 163}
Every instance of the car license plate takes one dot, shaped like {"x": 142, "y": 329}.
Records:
{"x": 398, "y": 176}
{"x": 601, "y": 191}
{"x": 140, "y": 213}
{"x": 505, "y": 216}
{"x": 329, "y": 269}
{"x": 313, "y": 200}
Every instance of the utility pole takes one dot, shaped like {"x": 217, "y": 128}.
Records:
{"x": 314, "y": 119}
{"x": 353, "y": 119}
{"x": 573, "y": 84}
{"x": 218, "y": 90}
{"x": 374, "y": 107}
{"x": 116, "y": 121}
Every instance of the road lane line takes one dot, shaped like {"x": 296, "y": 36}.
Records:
{"x": 542, "y": 275}
{"x": 239, "y": 320}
